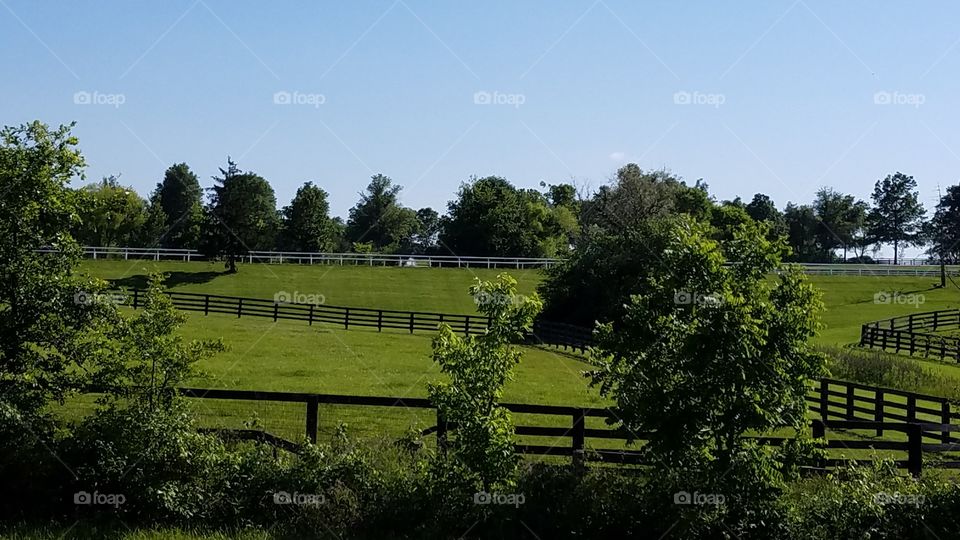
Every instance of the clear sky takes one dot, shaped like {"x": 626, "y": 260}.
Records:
{"x": 780, "y": 97}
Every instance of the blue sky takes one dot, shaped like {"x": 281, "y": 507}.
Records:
{"x": 780, "y": 97}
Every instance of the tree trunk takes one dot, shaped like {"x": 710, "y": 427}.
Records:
{"x": 896, "y": 246}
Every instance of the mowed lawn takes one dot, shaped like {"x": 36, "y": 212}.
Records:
{"x": 385, "y": 287}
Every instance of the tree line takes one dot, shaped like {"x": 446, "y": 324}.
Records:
{"x": 489, "y": 216}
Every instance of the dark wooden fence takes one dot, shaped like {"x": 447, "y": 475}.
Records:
{"x": 911, "y": 416}
{"x": 913, "y": 334}
{"x": 545, "y": 332}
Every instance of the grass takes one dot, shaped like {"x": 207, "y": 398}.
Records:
{"x": 291, "y": 356}
{"x": 388, "y": 287}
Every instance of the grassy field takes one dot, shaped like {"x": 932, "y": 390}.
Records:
{"x": 291, "y": 356}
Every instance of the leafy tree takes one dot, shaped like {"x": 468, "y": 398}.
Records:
{"x": 154, "y": 225}
{"x": 110, "y": 214}
{"x": 180, "y": 198}
{"x": 727, "y": 218}
{"x": 710, "y": 352}
{"x": 838, "y": 216}
{"x": 149, "y": 358}
{"x": 479, "y": 367}
{"x": 762, "y": 209}
{"x": 860, "y": 239}
{"x": 943, "y": 230}
{"x": 635, "y": 197}
{"x": 306, "y": 222}
{"x": 424, "y": 239}
{"x": 379, "y": 218}
{"x": 491, "y": 217}
{"x": 241, "y": 216}
{"x": 45, "y": 332}
{"x": 897, "y": 215}
{"x": 802, "y": 225}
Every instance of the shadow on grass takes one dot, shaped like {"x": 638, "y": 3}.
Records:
{"x": 174, "y": 279}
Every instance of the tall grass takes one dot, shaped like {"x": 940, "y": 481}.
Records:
{"x": 883, "y": 369}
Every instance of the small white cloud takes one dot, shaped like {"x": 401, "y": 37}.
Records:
{"x": 617, "y": 156}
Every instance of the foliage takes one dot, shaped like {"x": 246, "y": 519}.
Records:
{"x": 180, "y": 197}
{"x": 379, "y": 218}
{"x": 897, "y": 215}
{"x": 241, "y": 216}
{"x": 943, "y": 230}
{"x": 491, "y": 217}
{"x": 148, "y": 358}
{"x": 110, "y": 214}
{"x": 762, "y": 209}
{"x": 306, "y": 222}
{"x": 478, "y": 367}
{"x": 708, "y": 352}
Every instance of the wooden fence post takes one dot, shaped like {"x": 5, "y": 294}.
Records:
{"x": 466, "y": 326}
{"x": 578, "y": 437}
{"x": 911, "y": 408}
{"x": 239, "y": 307}
{"x": 206, "y": 304}
{"x": 312, "y": 409}
{"x": 346, "y": 318}
{"x": 945, "y": 419}
{"x": 136, "y": 297}
{"x": 824, "y": 400}
{"x": 276, "y": 308}
{"x": 850, "y": 411}
{"x": 914, "y": 450}
{"x": 379, "y": 320}
{"x": 411, "y": 322}
{"x": 310, "y": 315}
{"x": 878, "y": 410}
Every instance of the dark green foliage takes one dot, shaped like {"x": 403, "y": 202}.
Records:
{"x": 897, "y": 215}
{"x": 180, "y": 197}
{"x": 378, "y": 218}
{"x": 109, "y": 214}
{"x": 241, "y": 216}
{"x": 306, "y": 222}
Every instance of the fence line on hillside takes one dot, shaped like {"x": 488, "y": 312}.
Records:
{"x": 341, "y": 259}
{"x": 918, "y": 267}
{"x": 915, "y": 431}
{"x": 912, "y": 334}
{"x": 543, "y": 332}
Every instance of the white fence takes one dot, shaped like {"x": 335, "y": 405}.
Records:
{"x": 908, "y": 267}
{"x": 364, "y": 259}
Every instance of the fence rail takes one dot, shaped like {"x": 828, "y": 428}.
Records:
{"x": 298, "y": 257}
{"x": 913, "y": 334}
{"x": 910, "y": 424}
{"x": 544, "y": 332}
{"x": 879, "y": 267}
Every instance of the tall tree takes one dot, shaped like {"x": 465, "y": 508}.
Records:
{"x": 378, "y": 218}
{"x": 897, "y": 215}
{"x": 180, "y": 197}
{"x": 802, "y": 225}
{"x": 110, "y": 214}
{"x": 837, "y": 215}
{"x": 762, "y": 209}
{"x": 306, "y": 221}
{"x": 943, "y": 230}
{"x": 241, "y": 216}
{"x": 491, "y": 217}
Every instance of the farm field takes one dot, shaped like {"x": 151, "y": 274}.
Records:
{"x": 292, "y": 356}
